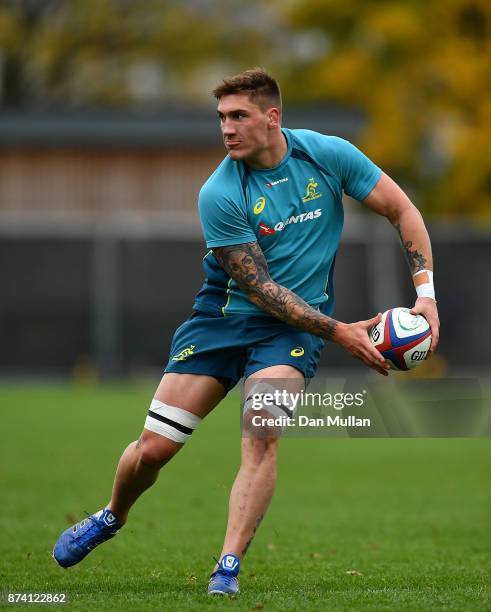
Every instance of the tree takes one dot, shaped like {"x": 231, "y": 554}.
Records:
{"x": 420, "y": 71}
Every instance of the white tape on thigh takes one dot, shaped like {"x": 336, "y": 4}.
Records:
{"x": 171, "y": 422}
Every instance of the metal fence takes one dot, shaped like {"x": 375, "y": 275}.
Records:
{"x": 105, "y": 301}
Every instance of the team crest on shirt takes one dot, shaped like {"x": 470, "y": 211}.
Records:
{"x": 311, "y": 193}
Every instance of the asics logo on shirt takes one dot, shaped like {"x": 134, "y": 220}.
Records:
{"x": 259, "y": 205}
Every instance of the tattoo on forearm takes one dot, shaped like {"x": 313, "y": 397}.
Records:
{"x": 256, "y": 527}
{"x": 246, "y": 264}
{"x": 415, "y": 259}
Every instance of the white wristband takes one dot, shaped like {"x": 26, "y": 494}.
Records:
{"x": 425, "y": 288}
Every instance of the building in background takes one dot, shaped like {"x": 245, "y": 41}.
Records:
{"x": 101, "y": 248}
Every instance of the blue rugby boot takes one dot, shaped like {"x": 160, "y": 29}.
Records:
{"x": 224, "y": 581}
{"x": 77, "y": 541}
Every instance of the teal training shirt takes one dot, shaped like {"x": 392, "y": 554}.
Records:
{"x": 294, "y": 211}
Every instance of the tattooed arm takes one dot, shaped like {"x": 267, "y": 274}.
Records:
{"x": 246, "y": 264}
{"x": 389, "y": 200}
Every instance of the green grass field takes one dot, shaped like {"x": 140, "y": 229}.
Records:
{"x": 356, "y": 524}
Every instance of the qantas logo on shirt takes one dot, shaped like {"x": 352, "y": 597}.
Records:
{"x": 280, "y": 226}
{"x": 273, "y": 183}
{"x": 265, "y": 230}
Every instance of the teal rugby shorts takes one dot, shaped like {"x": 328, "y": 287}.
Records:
{"x": 236, "y": 346}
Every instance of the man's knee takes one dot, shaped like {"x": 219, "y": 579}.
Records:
{"x": 156, "y": 450}
{"x": 255, "y": 451}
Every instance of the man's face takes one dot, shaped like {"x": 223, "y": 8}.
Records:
{"x": 245, "y": 127}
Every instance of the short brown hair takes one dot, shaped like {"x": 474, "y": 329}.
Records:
{"x": 261, "y": 88}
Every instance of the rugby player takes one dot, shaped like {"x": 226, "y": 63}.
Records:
{"x": 272, "y": 216}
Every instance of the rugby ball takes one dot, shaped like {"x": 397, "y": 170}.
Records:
{"x": 403, "y": 338}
